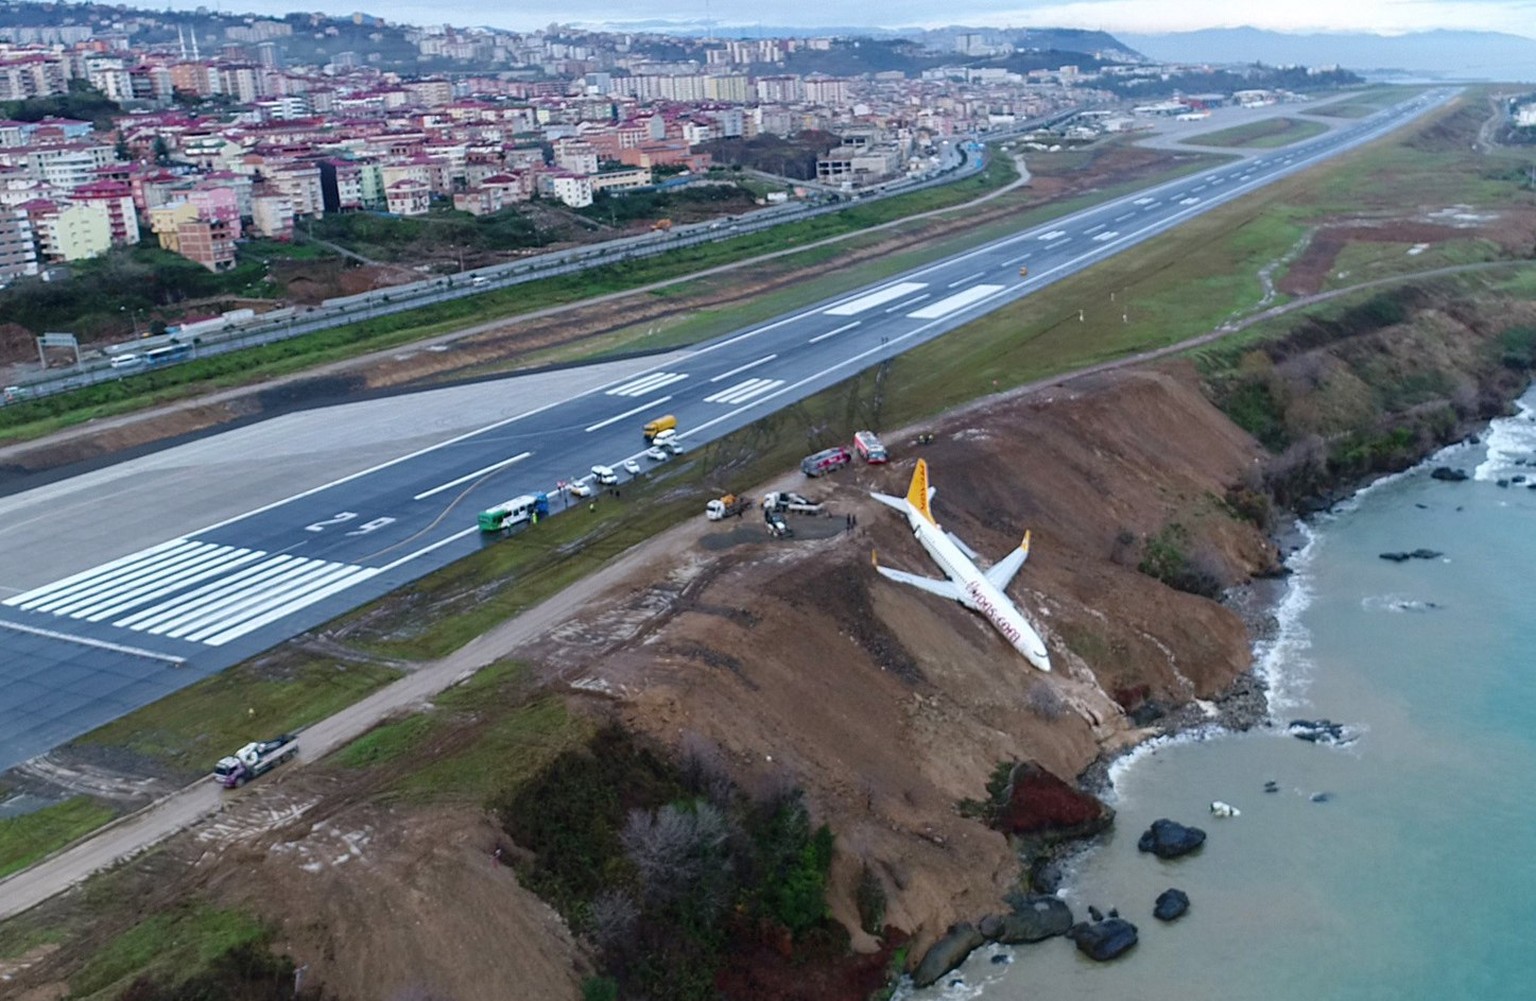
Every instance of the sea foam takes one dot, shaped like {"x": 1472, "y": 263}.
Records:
{"x": 1510, "y": 439}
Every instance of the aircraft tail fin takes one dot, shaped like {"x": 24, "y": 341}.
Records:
{"x": 918, "y": 494}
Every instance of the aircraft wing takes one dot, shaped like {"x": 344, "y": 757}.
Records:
{"x": 1002, "y": 572}
{"x": 942, "y": 588}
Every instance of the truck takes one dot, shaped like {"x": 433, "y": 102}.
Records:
{"x": 869, "y": 447}
{"x": 256, "y": 758}
{"x": 661, "y": 225}
{"x": 528, "y": 507}
{"x": 826, "y": 461}
{"x": 726, "y": 506}
{"x": 667, "y": 422}
{"x": 782, "y": 500}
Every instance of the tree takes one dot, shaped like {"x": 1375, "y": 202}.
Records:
{"x": 121, "y": 150}
{"x": 162, "y": 151}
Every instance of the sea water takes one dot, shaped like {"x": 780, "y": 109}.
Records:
{"x": 1400, "y": 866}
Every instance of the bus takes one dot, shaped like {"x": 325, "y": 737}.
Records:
{"x": 166, "y": 355}
{"x": 528, "y": 507}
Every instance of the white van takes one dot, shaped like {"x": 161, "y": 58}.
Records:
{"x": 127, "y": 361}
{"x": 666, "y": 438}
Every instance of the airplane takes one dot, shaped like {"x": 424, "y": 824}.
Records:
{"x": 979, "y": 591}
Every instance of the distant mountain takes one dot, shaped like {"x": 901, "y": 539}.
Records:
{"x": 1443, "y": 55}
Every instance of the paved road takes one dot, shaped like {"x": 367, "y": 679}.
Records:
{"x": 92, "y": 642}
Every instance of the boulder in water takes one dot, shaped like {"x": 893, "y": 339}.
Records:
{"x": 1104, "y": 940}
{"x": 1169, "y": 839}
{"x": 1171, "y": 905}
{"x": 1319, "y": 731}
{"x": 1448, "y": 474}
{"x": 947, "y": 953}
{"x": 1035, "y": 918}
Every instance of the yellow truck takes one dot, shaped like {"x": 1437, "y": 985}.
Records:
{"x": 660, "y": 424}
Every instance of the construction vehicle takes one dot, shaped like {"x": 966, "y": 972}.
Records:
{"x": 726, "y": 506}
{"x": 869, "y": 447}
{"x": 777, "y": 526}
{"x": 780, "y": 501}
{"x": 529, "y": 507}
{"x": 254, "y": 759}
{"x": 661, "y": 225}
{"x": 660, "y": 424}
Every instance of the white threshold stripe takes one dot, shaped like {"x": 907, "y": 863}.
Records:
{"x": 745, "y": 395}
{"x": 642, "y": 386}
{"x": 154, "y": 576}
{"x": 84, "y": 575}
{"x": 297, "y": 576}
{"x": 743, "y": 391}
{"x": 275, "y": 614}
{"x": 742, "y": 368}
{"x": 955, "y": 302}
{"x": 297, "y": 591}
{"x": 877, "y": 298}
{"x": 908, "y": 303}
{"x": 144, "y": 618}
{"x": 230, "y": 560}
{"x": 834, "y": 333}
{"x": 132, "y": 651}
{"x": 471, "y": 476}
{"x": 629, "y": 413}
{"x": 205, "y": 599}
{"x": 88, "y": 591}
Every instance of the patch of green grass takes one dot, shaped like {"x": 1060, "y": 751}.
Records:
{"x": 512, "y": 747}
{"x": 1266, "y": 134}
{"x": 172, "y": 945}
{"x": 486, "y": 734}
{"x": 31, "y": 836}
{"x": 385, "y": 742}
{"x": 189, "y": 730}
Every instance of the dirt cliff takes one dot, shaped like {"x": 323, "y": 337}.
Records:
{"x": 889, "y": 705}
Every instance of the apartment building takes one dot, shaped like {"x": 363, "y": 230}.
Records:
{"x": 69, "y": 232}
{"x": 116, "y": 200}
{"x": 18, "y": 252}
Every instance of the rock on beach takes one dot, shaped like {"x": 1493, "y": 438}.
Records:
{"x": 1169, "y": 839}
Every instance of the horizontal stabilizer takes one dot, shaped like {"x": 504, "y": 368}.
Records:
{"x": 899, "y": 503}
{"x": 1002, "y": 572}
{"x": 942, "y": 588}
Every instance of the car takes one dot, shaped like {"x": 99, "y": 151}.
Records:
{"x": 676, "y": 447}
{"x": 579, "y": 488}
{"x": 605, "y": 475}
{"x": 655, "y": 453}
{"x": 632, "y": 467}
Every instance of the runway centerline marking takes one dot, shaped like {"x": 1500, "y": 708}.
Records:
{"x": 628, "y": 413}
{"x": 834, "y": 333}
{"x": 472, "y": 476}
{"x": 742, "y": 368}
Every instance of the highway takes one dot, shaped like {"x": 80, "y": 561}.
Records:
{"x": 92, "y": 642}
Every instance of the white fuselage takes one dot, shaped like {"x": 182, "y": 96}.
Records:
{"x": 978, "y": 593}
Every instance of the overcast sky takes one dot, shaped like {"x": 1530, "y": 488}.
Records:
{"x": 1134, "y": 16}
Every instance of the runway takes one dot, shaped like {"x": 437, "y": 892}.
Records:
{"x": 105, "y": 610}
